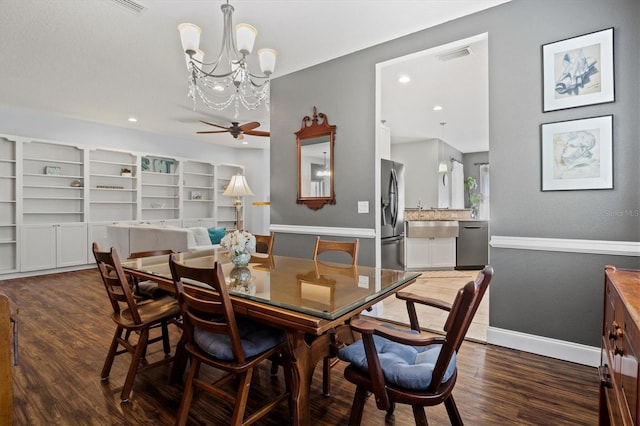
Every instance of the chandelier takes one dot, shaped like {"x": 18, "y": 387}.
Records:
{"x": 227, "y": 80}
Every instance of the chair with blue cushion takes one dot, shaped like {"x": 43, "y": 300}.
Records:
{"x": 213, "y": 336}
{"x": 407, "y": 367}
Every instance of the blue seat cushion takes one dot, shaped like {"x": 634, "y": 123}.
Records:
{"x": 254, "y": 337}
{"x": 409, "y": 367}
{"x": 216, "y": 234}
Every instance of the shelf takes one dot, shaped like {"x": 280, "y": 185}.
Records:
{"x": 7, "y": 201}
{"x": 199, "y": 174}
{"x": 51, "y": 160}
{"x": 111, "y": 176}
{"x": 114, "y": 163}
{"x": 166, "y": 197}
{"x": 205, "y": 188}
{"x": 53, "y": 187}
{"x": 114, "y": 189}
{"x": 4, "y": 160}
{"x": 7, "y": 242}
{"x": 54, "y": 176}
{"x": 54, "y": 198}
{"x": 7, "y": 225}
{"x": 199, "y": 201}
{"x": 160, "y": 208}
{"x": 51, "y": 213}
{"x": 8, "y": 177}
{"x": 113, "y": 202}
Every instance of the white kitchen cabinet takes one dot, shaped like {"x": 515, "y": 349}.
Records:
{"x": 430, "y": 253}
{"x": 48, "y": 246}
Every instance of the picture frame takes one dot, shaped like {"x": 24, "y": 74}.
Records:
{"x": 578, "y": 71}
{"x": 52, "y": 170}
{"x": 577, "y": 154}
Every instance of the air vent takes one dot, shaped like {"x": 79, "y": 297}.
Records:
{"x": 454, "y": 54}
{"x": 130, "y": 5}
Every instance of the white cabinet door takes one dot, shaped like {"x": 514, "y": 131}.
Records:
{"x": 72, "y": 244}
{"x": 416, "y": 252}
{"x": 38, "y": 248}
{"x": 443, "y": 252}
{"x": 430, "y": 253}
{"x": 53, "y": 246}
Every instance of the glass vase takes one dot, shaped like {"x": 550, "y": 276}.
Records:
{"x": 240, "y": 259}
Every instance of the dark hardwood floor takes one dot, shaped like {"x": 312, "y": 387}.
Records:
{"x": 65, "y": 330}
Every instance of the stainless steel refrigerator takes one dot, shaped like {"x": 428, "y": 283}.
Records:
{"x": 392, "y": 226}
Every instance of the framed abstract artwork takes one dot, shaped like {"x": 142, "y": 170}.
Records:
{"x": 577, "y": 154}
{"x": 578, "y": 71}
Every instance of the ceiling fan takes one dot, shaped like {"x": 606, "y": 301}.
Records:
{"x": 236, "y": 129}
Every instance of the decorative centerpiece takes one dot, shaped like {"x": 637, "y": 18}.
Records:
{"x": 240, "y": 245}
{"x": 125, "y": 172}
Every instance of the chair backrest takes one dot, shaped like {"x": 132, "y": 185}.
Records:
{"x": 139, "y": 254}
{"x": 213, "y": 314}
{"x": 458, "y": 321}
{"x": 115, "y": 281}
{"x": 346, "y": 246}
{"x": 264, "y": 243}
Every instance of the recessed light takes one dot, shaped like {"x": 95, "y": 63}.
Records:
{"x": 132, "y": 120}
{"x": 437, "y": 108}
{"x": 404, "y": 79}
{"x": 245, "y": 143}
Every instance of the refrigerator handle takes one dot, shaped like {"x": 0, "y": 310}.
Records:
{"x": 394, "y": 197}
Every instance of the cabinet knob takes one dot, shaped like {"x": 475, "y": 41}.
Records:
{"x": 616, "y": 331}
{"x": 617, "y": 350}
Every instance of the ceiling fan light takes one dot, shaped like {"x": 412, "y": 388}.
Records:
{"x": 267, "y": 60}
{"x": 245, "y": 37}
{"x": 190, "y": 37}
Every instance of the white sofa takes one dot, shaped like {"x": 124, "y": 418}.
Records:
{"x": 130, "y": 238}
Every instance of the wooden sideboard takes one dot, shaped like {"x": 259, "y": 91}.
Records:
{"x": 619, "y": 385}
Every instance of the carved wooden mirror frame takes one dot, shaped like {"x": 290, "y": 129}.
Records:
{"x": 315, "y": 130}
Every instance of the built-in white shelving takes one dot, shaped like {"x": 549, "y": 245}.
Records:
{"x": 160, "y": 188}
{"x": 8, "y": 205}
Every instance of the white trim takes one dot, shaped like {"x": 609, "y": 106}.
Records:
{"x": 324, "y": 230}
{"x": 559, "y": 349}
{"x": 616, "y": 248}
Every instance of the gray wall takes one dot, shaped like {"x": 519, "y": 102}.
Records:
{"x": 556, "y": 295}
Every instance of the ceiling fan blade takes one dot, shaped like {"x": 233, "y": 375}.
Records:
{"x": 212, "y": 131}
{"x": 249, "y": 126}
{"x": 257, "y": 133}
{"x": 214, "y": 125}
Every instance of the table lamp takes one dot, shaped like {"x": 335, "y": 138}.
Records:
{"x": 238, "y": 187}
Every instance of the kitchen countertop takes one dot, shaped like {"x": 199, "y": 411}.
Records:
{"x": 437, "y": 214}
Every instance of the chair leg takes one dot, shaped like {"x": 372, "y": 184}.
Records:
{"x": 111, "y": 354}
{"x": 244, "y": 382}
{"x": 452, "y": 411}
{"x": 326, "y": 376}
{"x": 357, "y": 407}
{"x": 419, "y": 415}
{"x": 187, "y": 396}
{"x": 166, "y": 344}
{"x": 141, "y": 348}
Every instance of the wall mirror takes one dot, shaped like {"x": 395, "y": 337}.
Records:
{"x": 314, "y": 142}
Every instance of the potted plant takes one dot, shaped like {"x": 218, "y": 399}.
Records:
{"x": 125, "y": 172}
{"x": 473, "y": 196}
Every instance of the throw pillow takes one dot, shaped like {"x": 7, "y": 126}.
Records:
{"x": 216, "y": 234}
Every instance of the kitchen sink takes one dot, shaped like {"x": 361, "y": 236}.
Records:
{"x": 432, "y": 228}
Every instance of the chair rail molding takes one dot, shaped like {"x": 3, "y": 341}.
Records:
{"x": 324, "y": 230}
{"x": 616, "y": 248}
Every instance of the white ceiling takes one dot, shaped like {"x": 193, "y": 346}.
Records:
{"x": 96, "y": 61}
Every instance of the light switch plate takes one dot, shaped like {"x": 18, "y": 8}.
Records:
{"x": 363, "y": 207}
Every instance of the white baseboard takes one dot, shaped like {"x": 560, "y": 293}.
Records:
{"x": 559, "y": 349}
{"x": 616, "y": 248}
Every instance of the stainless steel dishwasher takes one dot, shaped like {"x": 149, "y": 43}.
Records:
{"x": 472, "y": 245}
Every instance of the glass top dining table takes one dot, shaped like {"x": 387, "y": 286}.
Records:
{"x": 323, "y": 290}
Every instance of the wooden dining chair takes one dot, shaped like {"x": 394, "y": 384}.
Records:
{"x": 133, "y": 318}
{"x": 407, "y": 367}
{"x": 148, "y": 289}
{"x": 213, "y": 336}
{"x": 264, "y": 246}
{"x": 350, "y": 247}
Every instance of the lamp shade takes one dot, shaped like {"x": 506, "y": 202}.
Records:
{"x": 238, "y": 187}
{"x": 267, "y": 60}
{"x": 245, "y": 37}
{"x": 189, "y": 36}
